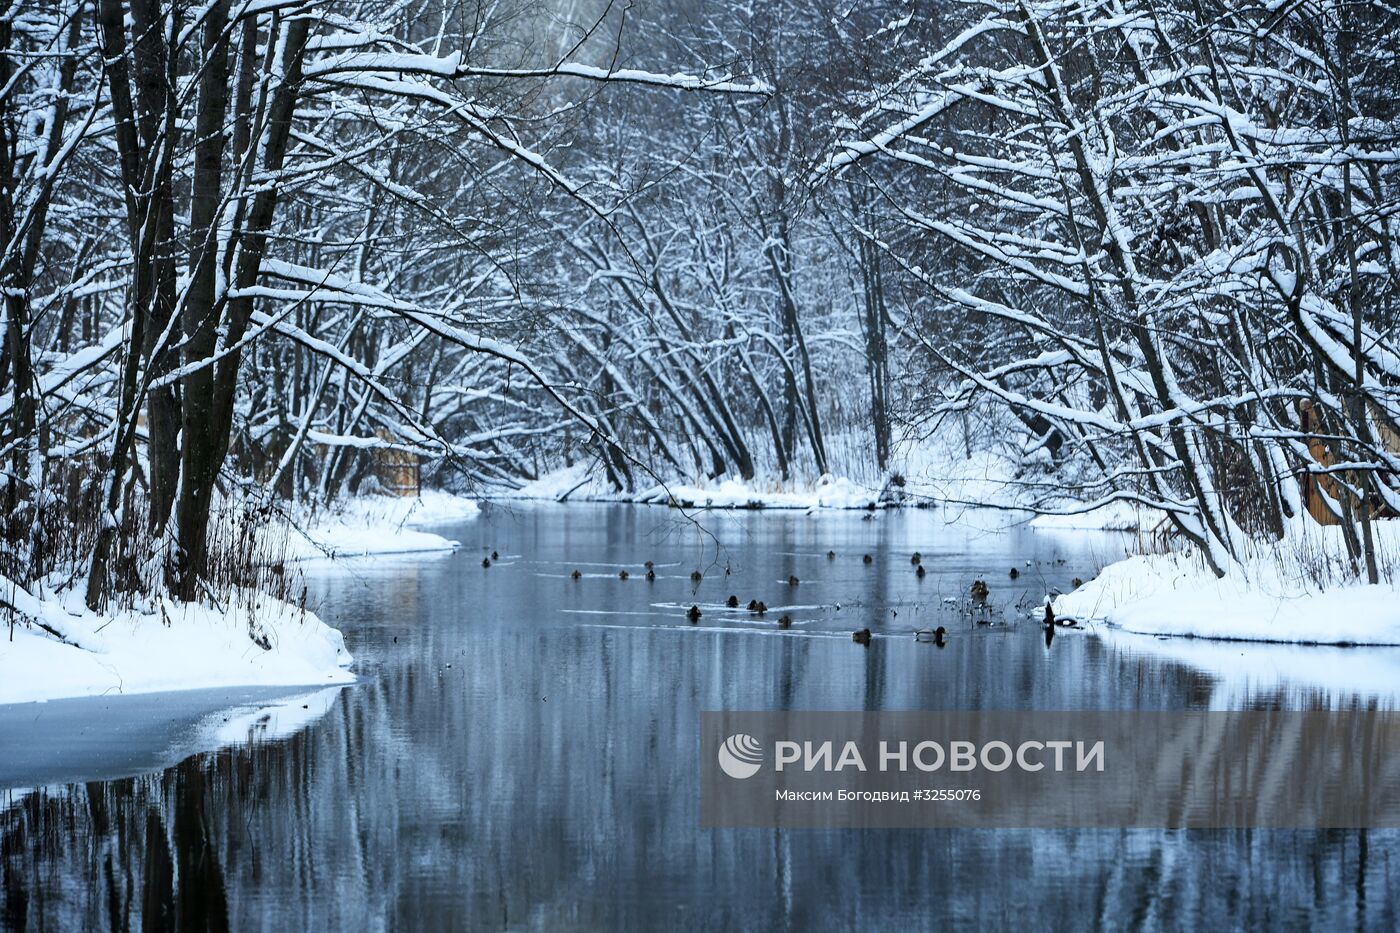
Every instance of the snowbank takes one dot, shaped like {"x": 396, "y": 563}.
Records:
{"x": 1172, "y": 594}
{"x": 931, "y": 476}
{"x": 982, "y": 478}
{"x": 578, "y": 483}
{"x": 181, "y": 646}
{"x": 1116, "y": 516}
{"x": 828, "y": 492}
{"x": 380, "y": 525}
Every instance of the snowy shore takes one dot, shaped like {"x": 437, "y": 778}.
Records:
{"x": 1268, "y": 598}
{"x": 57, "y": 648}
{"x": 973, "y": 482}
{"x": 382, "y": 525}
{"x": 256, "y": 641}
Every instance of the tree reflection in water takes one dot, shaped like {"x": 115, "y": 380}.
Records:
{"x": 506, "y": 763}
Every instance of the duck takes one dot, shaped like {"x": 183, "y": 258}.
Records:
{"x": 935, "y": 635}
{"x": 753, "y": 605}
{"x": 732, "y": 602}
{"x": 696, "y": 576}
{"x": 792, "y": 580}
{"x": 651, "y": 575}
{"x": 980, "y": 590}
{"x": 861, "y": 636}
{"x": 1014, "y": 573}
{"x": 623, "y": 574}
{"x": 576, "y": 574}
{"x": 919, "y": 571}
{"x": 486, "y": 562}
{"x": 916, "y": 558}
{"x": 1076, "y": 583}
{"x": 830, "y": 555}
{"x": 785, "y": 622}
{"x": 693, "y": 614}
{"x": 760, "y": 607}
{"x": 867, "y": 559}
{"x": 495, "y": 556}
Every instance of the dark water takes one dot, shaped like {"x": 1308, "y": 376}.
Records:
{"x": 520, "y": 752}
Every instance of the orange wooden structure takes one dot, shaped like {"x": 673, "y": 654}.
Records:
{"x": 1314, "y": 485}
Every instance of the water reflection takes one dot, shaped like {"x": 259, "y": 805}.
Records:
{"x": 507, "y": 764}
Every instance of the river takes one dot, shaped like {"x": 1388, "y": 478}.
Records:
{"x": 520, "y": 749}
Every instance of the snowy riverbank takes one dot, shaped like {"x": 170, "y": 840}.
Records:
{"x": 254, "y": 641}
{"x": 1271, "y": 597}
{"x": 977, "y": 481}
{"x": 580, "y": 483}
{"x": 57, "y": 648}
{"x": 381, "y": 525}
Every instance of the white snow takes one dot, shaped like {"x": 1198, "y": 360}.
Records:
{"x": 580, "y": 483}
{"x": 932, "y": 476}
{"x": 1265, "y": 598}
{"x": 177, "y": 647}
{"x": 1116, "y": 516}
{"x": 828, "y": 492}
{"x": 381, "y": 525}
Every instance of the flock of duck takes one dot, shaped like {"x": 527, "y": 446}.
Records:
{"x": 979, "y": 591}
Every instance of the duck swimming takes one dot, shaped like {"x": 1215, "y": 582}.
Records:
{"x": 732, "y": 602}
{"x": 623, "y": 574}
{"x": 697, "y": 576}
{"x": 916, "y": 559}
{"x": 861, "y": 636}
{"x": 693, "y": 614}
{"x": 919, "y": 571}
{"x": 980, "y": 590}
{"x": 867, "y": 559}
{"x": 495, "y": 556}
{"x": 830, "y": 555}
{"x": 934, "y": 635}
{"x": 793, "y": 581}
{"x": 651, "y": 575}
{"x": 486, "y": 562}
{"x": 785, "y": 622}
{"x": 1014, "y": 573}
{"x": 576, "y": 574}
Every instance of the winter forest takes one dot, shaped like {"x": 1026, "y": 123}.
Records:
{"x": 1139, "y": 253}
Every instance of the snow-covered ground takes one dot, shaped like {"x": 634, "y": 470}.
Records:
{"x": 254, "y": 641}
{"x": 1115, "y": 516}
{"x": 381, "y": 525}
{"x": 579, "y": 483}
{"x": 1271, "y": 597}
{"x": 947, "y": 480}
